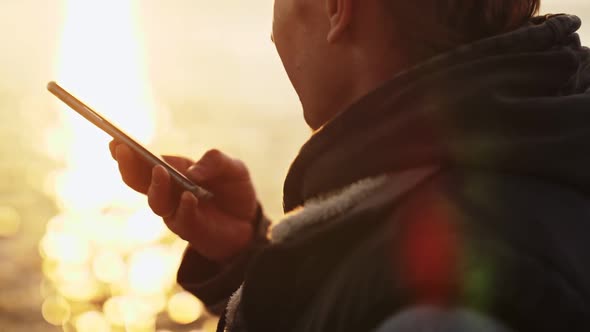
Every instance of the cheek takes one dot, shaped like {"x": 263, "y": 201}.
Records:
{"x": 281, "y": 12}
{"x": 284, "y": 34}
{"x": 291, "y": 20}
{"x": 296, "y": 29}
{"x": 283, "y": 20}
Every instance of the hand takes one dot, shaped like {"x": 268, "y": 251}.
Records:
{"x": 219, "y": 228}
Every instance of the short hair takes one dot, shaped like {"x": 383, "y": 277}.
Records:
{"x": 443, "y": 24}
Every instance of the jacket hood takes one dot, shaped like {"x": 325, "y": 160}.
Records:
{"x": 518, "y": 103}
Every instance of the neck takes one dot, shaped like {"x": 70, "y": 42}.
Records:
{"x": 363, "y": 74}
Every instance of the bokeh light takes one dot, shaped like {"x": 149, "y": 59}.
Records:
{"x": 105, "y": 251}
{"x": 129, "y": 311}
{"x": 92, "y": 321}
{"x": 108, "y": 266}
{"x": 56, "y": 310}
{"x": 65, "y": 247}
{"x": 183, "y": 308}
{"x": 151, "y": 271}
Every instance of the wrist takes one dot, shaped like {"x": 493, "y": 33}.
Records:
{"x": 257, "y": 238}
{"x": 248, "y": 235}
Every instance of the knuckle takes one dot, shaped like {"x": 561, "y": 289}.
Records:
{"x": 238, "y": 163}
{"x": 212, "y": 157}
{"x": 240, "y": 166}
{"x": 212, "y": 164}
{"x": 215, "y": 152}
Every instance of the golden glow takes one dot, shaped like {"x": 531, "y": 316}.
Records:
{"x": 134, "y": 313}
{"x": 151, "y": 270}
{"x": 143, "y": 228}
{"x": 108, "y": 266}
{"x": 126, "y": 310}
{"x": 10, "y": 221}
{"x": 106, "y": 246}
{"x": 80, "y": 291}
{"x": 64, "y": 247}
{"x": 56, "y": 310}
{"x": 184, "y": 308}
{"x": 92, "y": 321}
{"x": 155, "y": 304}
{"x": 116, "y": 310}
{"x": 102, "y": 64}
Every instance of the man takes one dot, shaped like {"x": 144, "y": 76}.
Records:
{"x": 446, "y": 186}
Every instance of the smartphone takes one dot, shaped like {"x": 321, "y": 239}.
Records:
{"x": 179, "y": 180}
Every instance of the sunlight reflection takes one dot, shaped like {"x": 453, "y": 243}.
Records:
{"x": 151, "y": 271}
{"x": 92, "y": 321}
{"x": 184, "y": 308}
{"x": 105, "y": 248}
{"x": 56, "y": 310}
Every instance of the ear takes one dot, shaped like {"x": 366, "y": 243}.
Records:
{"x": 340, "y": 15}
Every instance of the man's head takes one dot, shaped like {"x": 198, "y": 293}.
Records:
{"x": 335, "y": 51}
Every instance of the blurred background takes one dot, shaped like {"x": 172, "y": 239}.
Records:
{"x": 78, "y": 250}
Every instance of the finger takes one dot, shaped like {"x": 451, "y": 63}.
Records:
{"x": 215, "y": 164}
{"x": 179, "y": 163}
{"x": 113, "y": 148}
{"x": 186, "y": 220}
{"x": 135, "y": 172}
{"x": 160, "y": 197}
{"x": 191, "y": 224}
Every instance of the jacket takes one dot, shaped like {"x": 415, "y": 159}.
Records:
{"x": 463, "y": 182}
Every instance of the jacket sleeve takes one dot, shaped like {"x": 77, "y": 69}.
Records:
{"x": 214, "y": 283}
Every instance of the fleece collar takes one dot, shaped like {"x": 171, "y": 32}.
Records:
{"x": 322, "y": 210}
{"x": 317, "y": 211}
